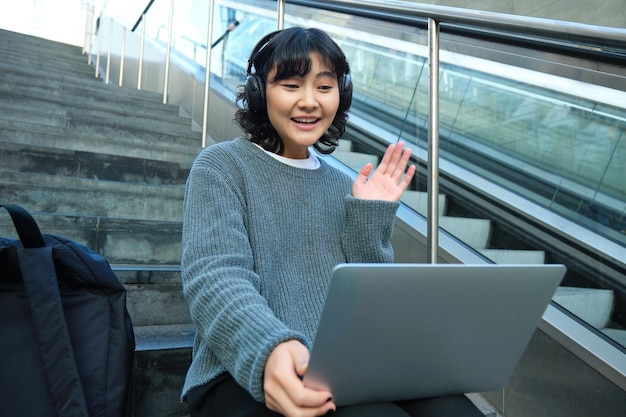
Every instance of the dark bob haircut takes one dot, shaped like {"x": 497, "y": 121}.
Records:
{"x": 289, "y": 52}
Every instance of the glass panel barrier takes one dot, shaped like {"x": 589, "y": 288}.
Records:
{"x": 563, "y": 142}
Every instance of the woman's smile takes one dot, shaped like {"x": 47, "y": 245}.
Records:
{"x": 306, "y": 123}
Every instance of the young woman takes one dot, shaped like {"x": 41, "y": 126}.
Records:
{"x": 266, "y": 221}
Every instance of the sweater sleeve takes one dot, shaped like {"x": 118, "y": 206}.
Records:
{"x": 219, "y": 282}
{"x": 368, "y": 230}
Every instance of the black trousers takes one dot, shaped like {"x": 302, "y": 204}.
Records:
{"x": 223, "y": 397}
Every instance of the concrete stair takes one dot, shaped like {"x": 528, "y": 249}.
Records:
{"x": 105, "y": 166}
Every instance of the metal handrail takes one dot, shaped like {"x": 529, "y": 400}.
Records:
{"x": 108, "y": 66}
{"x": 142, "y": 15}
{"x": 207, "y": 76}
{"x": 168, "y": 51}
{"x": 141, "y": 52}
{"x": 280, "y": 11}
{"x": 408, "y": 12}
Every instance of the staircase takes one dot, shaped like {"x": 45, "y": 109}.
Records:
{"x": 105, "y": 166}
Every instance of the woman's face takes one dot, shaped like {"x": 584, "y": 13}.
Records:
{"x": 301, "y": 109}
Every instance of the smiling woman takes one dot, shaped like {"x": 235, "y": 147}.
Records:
{"x": 266, "y": 221}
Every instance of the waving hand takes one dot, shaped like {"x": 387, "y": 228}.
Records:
{"x": 389, "y": 180}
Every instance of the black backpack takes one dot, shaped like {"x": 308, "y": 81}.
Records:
{"x": 66, "y": 338}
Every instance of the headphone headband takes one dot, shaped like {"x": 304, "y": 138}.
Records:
{"x": 261, "y": 44}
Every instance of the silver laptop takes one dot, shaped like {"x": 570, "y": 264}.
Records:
{"x": 405, "y": 331}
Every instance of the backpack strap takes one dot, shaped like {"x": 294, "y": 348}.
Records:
{"x": 42, "y": 290}
{"x": 25, "y": 225}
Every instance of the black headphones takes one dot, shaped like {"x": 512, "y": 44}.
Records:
{"x": 254, "y": 85}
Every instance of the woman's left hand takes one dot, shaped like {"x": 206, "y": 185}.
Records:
{"x": 389, "y": 180}
{"x": 285, "y": 392}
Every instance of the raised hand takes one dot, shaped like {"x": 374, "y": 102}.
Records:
{"x": 389, "y": 180}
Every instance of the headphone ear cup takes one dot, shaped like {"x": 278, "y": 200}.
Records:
{"x": 255, "y": 93}
{"x": 345, "y": 92}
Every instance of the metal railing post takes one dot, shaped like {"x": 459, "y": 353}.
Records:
{"x": 99, "y": 50}
{"x": 207, "y": 76}
{"x": 86, "y": 5}
{"x": 168, "y": 52}
{"x": 433, "y": 141}
{"x": 122, "y": 57}
{"x": 281, "y": 14}
{"x": 90, "y": 23}
{"x": 108, "y": 70}
{"x": 143, "y": 39}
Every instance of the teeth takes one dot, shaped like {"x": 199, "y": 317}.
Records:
{"x": 308, "y": 121}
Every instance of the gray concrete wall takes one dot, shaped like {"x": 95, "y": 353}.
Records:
{"x": 601, "y": 13}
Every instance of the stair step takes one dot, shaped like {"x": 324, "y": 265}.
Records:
{"x": 26, "y": 39}
{"x": 91, "y": 120}
{"x": 31, "y": 82}
{"x": 27, "y": 158}
{"x": 19, "y": 41}
{"x": 160, "y": 337}
{"x": 163, "y": 335}
{"x": 43, "y": 64}
{"x": 156, "y": 304}
{"x": 40, "y": 58}
{"x": 173, "y": 148}
{"x": 162, "y": 357}
{"x": 36, "y": 100}
{"x": 154, "y": 294}
{"x": 418, "y": 201}
{"x": 590, "y": 304}
{"x": 508, "y": 256}
{"x": 120, "y": 241}
{"x": 355, "y": 160}
{"x": 14, "y": 106}
{"x": 147, "y": 274}
{"x": 35, "y": 48}
{"x": 473, "y": 232}
{"x": 80, "y": 196}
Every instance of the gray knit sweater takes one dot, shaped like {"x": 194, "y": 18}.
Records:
{"x": 260, "y": 239}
